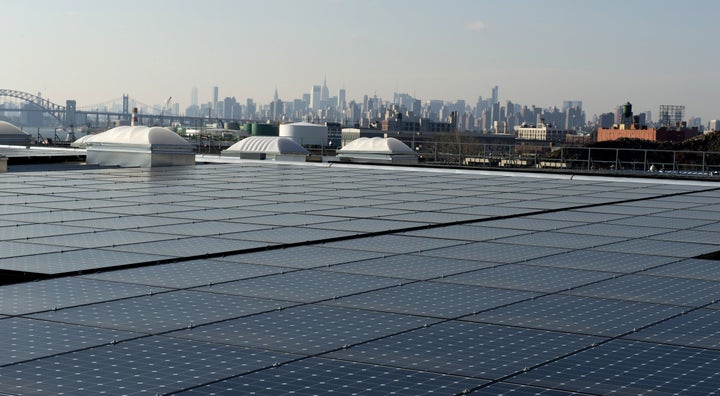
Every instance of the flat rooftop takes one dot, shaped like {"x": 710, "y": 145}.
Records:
{"x": 272, "y": 278}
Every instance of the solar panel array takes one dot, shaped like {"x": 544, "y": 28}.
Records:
{"x": 270, "y": 278}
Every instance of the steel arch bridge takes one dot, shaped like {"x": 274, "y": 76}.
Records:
{"x": 55, "y": 110}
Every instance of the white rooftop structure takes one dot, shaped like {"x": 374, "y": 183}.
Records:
{"x": 138, "y": 145}
{"x": 377, "y": 149}
{"x": 305, "y": 133}
{"x": 12, "y": 135}
{"x": 270, "y": 147}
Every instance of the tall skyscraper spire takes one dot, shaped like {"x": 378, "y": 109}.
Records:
{"x": 325, "y": 95}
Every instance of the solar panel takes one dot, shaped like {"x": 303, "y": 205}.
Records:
{"x": 654, "y": 289}
{"x": 471, "y": 232}
{"x": 689, "y": 268}
{"x": 74, "y": 261}
{"x": 307, "y": 329}
{"x": 394, "y": 244}
{"x": 560, "y": 240}
{"x": 439, "y": 300}
{"x": 613, "y": 230}
{"x": 631, "y": 367}
{"x": 161, "y": 312}
{"x": 189, "y": 246}
{"x": 148, "y": 365}
{"x": 408, "y": 266}
{"x": 699, "y": 328}
{"x": 303, "y": 285}
{"x": 660, "y": 248}
{"x": 28, "y": 339}
{"x": 468, "y": 349}
{"x": 602, "y": 261}
{"x": 24, "y": 298}
{"x": 316, "y": 376}
{"x": 494, "y": 252}
{"x": 186, "y": 274}
{"x": 579, "y": 315}
{"x": 303, "y": 256}
{"x": 530, "y": 278}
{"x": 483, "y": 306}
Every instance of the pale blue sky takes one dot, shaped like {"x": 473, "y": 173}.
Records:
{"x": 604, "y": 53}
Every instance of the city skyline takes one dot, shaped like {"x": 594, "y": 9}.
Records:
{"x": 603, "y": 53}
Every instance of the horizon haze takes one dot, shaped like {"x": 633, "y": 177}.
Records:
{"x": 648, "y": 52}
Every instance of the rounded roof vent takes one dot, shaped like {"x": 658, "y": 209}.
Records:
{"x": 376, "y": 145}
{"x": 268, "y": 145}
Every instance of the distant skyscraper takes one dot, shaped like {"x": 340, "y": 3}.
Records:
{"x": 567, "y": 104}
{"x": 325, "y": 94}
{"x": 215, "y": 101}
{"x": 495, "y": 97}
{"x": 315, "y": 97}
{"x": 194, "y": 96}
{"x": 341, "y": 99}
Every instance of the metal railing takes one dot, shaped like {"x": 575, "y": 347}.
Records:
{"x": 585, "y": 159}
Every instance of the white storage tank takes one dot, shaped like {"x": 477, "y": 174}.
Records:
{"x": 305, "y": 133}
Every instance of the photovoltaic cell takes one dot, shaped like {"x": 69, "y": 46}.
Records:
{"x": 504, "y": 388}
{"x": 73, "y": 261}
{"x": 153, "y": 365}
{"x": 654, "y": 289}
{"x": 394, "y": 244}
{"x": 64, "y": 292}
{"x": 471, "y": 232}
{"x": 308, "y": 329}
{"x": 440, "y": 300}
{"x": 530, "y": 278}
{"x": 661, "y": 222}
{"x": 467, "y": 349}
{"x": 186, "y": 274}
{"x": 582, "y": 315}
{"x": 160, "y": 312}
{"x": 286, "y": 235}
{"x": 316, "y": 376}
{"x": 494, "y": 252}
{"x": 307, "y": 256}
{"x": 560, "y": 240}
{"x": 303, "y": 286}
{"x": 614, "y": 230}
{"x": 27, "y": 339}
{"x": 603, "y": 261}
{"x": 408, "y": 266}
{"x": 660, "y": 248}
{"x": 689, "y": 268}
{"x": 699, "y": 328}
{"x": 485, "y": 315}
{"x": 189, "y": 247}
{"x": 632, "y": 367}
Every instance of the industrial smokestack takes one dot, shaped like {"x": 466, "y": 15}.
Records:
{"x": 133, "y": 119}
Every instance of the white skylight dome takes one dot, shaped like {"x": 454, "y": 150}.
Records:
{"x": 271, "y": 147}
{"x": 138, "y": 134}
{"x": 376, "y": 145}
{"x": 12, "y": 135}
{"x": 377, "y": 150}
{"x": 140, "y": 146}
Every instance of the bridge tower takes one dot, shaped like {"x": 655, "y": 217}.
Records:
{"x": 70, "y": 120}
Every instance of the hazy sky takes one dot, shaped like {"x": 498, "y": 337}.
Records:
{"x": 603, "y": 52}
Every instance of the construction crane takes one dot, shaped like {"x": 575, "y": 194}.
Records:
{"x": 165, "y": 106}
